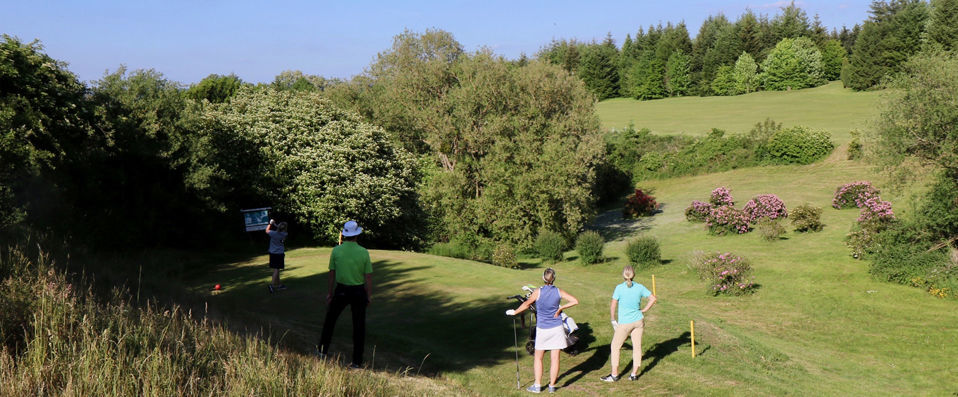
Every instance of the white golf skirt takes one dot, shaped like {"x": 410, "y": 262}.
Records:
{"x": 551, "y": 338}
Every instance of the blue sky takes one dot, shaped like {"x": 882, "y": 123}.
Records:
{"x": 256, "y": 40}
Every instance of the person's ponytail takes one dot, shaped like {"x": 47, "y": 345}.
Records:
{"x": 628, "y": 273}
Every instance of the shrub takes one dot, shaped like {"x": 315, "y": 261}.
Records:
{"x": 875, "y": 209}
{"x": 589, "y": 246}
{"x": 797, "y": 145}
{"x": 549, "y": 245}
{"x": 698, "y": 211}
{"x": 851, "y": 195}
{"x": 726, "y": 273}
{"x": 765, "y": 205}
{"x": 504, "y": 256}
{"x": 770, "y": 229}
{"x": 855, "y": 146}
{"x": 643, "y": 251}
{"x": 806, "y": 218}
{"x": 639, "y": 204}
{"x": 727, "y": 219}
{"x": 899, "y": 255}
{"x": 721, "y": 196}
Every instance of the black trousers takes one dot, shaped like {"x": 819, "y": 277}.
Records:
{"x": 347, "y": 295}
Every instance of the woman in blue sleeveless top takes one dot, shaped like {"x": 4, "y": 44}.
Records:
{"x": 549, "y": 333}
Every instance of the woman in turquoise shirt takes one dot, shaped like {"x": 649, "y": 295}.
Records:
{"x": 626, "y": 300}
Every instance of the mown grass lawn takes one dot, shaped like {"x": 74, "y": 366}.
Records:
{"x": 831, "y": 107}
{"x": 818, "y": 324}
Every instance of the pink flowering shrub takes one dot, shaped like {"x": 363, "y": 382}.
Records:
{"x": 721, "y": 196}
{"x": 726, "y": 273}
{"x": 853, "y": 194}
{"x": 765, "y": 206}
{"x": 727, "y": 219}
{"x": 698, "y": 211}
{"x": 875, "y": 209}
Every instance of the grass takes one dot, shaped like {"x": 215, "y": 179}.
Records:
{"x": 817, "y": 325}
{"x": 831, "y": 107}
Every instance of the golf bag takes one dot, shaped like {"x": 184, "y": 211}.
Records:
{"x": 568, "y": 325}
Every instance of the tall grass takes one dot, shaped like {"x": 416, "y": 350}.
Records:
{"x": 59, "y": 338}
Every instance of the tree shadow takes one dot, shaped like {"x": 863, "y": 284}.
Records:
{"x": 663, "y": 349}
{"x": 409, "y": 324}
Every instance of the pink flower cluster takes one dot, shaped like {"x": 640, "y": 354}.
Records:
{"x": 731, "y": 274}
{"x": 698, "y": 211}
{"x": 724, "y": 219}
{"x": 765, "y": 205}
{"x": 721, "y": 196}
{"x": 853, "y": 194}
{"x": 876, "y": 209}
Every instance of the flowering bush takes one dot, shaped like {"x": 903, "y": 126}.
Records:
{"x": 876, "y": 209}
{"x": 726, "y": 273}
{"x": 721, "y": 196}
{"x": 853, "y": 194}
{"x": 765, "y": 205}
{"x": 698, "y": 211}
{"x": 727, "y": 219}
{"x": 639, "y": 204}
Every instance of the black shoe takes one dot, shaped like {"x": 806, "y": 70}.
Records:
{"x": 270, "y": 287}
{"x": 633, "y": 377}
{"x": 609, "y": 378}
{"x": 282, "y": 287}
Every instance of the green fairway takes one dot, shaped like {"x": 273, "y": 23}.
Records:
{"x": 830, "y": 107}
{"x": 818, "y": 324}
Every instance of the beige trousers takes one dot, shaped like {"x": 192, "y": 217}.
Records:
{"x": 622, "y": 332}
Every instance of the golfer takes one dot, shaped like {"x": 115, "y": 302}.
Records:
{"x": 549, "y": 333}
{"x": 627, "y": 298}
{"x": 277, "y": 252}
{"x": 350, "y": 284}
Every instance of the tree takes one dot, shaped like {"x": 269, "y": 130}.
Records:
{"x": 745, "y": 74}
{"x": 750, "y": 34}
{"x": 322, "y": 165}
{"x": 598, "y": 69}
{"x": 44, "y": 130}
{"x": 833, "y": 56}
{"x": 891, "y": 35}
{"x": 943, "y": 24}
{"x": 791, "y": 23}
{"x": 678, "y": 82}
{"x": 648, "y": 78}
{"x": 793, "y": 64}
{"x": 920, "y": 116}
{"x": 724, "y": 82}
{"x": 215, "y": 88}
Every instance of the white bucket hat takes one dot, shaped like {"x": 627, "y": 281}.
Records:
{"x": 351, "y": 228}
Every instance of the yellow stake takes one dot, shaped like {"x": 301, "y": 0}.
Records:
{"x": 653, "y": 285}
{"x": 692, "y": 325}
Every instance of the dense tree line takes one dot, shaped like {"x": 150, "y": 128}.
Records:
{"x": 665, "y": 61}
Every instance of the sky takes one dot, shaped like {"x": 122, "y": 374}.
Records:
{"x": 256, "y": 40}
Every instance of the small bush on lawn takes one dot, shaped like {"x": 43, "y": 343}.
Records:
{"x": 727, "y": 219}
{"x": 853, "y": 195}
{"x": 797, "y": 145}
{"x": 855, "y": 146}
{"x": 639, "y": 204}
{"x": 726, "y": 273}
{"x": 504, "y": 256}
{"x": 589, "y": 246}
{"x": 765, "y": 206}
{"x": 806, "y": 218}
{"x": 876, "y": 216}
{"x": 721, "y": 196}
{"x": 549, "y": 245}
{"x": 770, "y": 229}
{"x": 698, "y": 211}
{"x": 644, "y": 251}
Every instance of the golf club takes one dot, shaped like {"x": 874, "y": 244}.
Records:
{"x": 516, "y": 338}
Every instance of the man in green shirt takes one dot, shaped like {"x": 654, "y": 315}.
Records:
{"x": 350, "y": 283}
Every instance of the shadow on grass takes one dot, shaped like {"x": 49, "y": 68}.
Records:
{"x": 598, "y": 359}
{"x": 410, "y": 323}
{"x": 665, "y": 348}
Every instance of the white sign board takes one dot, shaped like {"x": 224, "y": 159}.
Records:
{"x": 256, "y": 219}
